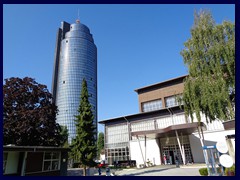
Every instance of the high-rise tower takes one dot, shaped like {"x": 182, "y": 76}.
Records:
{"x": 75, "y": 59}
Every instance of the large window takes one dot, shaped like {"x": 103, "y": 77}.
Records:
{"x": 171, "y": 101}
{"x": 51, "y": 161}
{"x": 152, "y": 105}
{"x": 117, "y": 154}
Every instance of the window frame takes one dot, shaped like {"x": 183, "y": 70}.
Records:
{"x": 152, "y": 105}
{"x": 176, "y": 102}
{"x": 51, "y": 160}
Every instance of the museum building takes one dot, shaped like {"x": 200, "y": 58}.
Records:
{"x": 161, "y": 133}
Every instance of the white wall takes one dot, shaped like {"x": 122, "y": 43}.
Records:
{"x": 152, "y": 151}
{"x": 211, "y": 138}
{"x": 12, "y": 162}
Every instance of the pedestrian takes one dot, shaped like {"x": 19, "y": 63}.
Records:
{"x": 164, "y": 159}
{"x": 107, "y": 171}
{"x": 177, "y": 162}
{"x": 99, "y": 171}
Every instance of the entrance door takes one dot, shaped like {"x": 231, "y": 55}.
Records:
{"x": 171, "y": 157}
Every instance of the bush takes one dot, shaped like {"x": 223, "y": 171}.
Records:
{"x": 230, "y": 171}
{"x": 203, "y": 171}
{"x": 76, "y": 165}
{"x": 219, "y": 170}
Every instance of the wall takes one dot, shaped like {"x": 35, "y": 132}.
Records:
{"x": 160, "y": 93}
{"x": 152, "y": 151}
{"x": 231, "y": 148}
{"x": 211, "y": 138}
{"x": 12, "y": 163}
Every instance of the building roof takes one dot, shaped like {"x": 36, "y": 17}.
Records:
{"x": 12, "y": 147}
{"x": 141, "y": 115}
{"x": 183, "y": 129}
{"x": 160, "y": 83}
{"x": 228, "y": 125}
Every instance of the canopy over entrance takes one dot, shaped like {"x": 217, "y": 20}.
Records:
{"x": 184, "y": 129}
{"x": 170, "y": 131}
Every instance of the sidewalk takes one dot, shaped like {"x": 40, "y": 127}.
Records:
{"x": 159, "y": 170}
{"x": 197, "y": 165}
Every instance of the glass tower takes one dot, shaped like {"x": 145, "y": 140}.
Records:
{"x": 75, "y": 59}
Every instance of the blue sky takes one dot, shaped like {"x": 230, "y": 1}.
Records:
{"x": 138, "y": 45}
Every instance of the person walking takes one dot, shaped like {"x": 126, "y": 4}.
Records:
{"x": 99, "y": 171}
{"x": 164, "y": 159}
{"x": 177, "y": 161}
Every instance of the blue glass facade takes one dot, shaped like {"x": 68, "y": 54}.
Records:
{"x": 75, "y": 59}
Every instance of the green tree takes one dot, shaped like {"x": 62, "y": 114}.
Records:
{"x": 84, "y": 148}
{"x": 29, "y": 114}
{"x": 210, "y": 57}
{"x": 64, "y": 134}
{"x": 100, "y": 143}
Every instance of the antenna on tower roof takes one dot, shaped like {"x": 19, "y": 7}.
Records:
{"x": 78, "y": 19}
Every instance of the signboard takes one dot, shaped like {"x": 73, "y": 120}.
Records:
{"x": 222, "y": 147}
{"x": 209, "y": 147}
{"x": 226, "y": 160}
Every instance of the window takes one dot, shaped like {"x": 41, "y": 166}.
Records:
{"x": 152, "y": 105}
{"x": 171, "y": 101}
{"x": 5, "y": 155}
{"x": 51, "y": 161}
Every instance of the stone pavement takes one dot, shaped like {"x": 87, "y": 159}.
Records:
{"x": 163, "y": 170}
{"x": 160, "y": 170}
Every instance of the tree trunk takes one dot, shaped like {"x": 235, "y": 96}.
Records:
{"x": 84, "y": 171}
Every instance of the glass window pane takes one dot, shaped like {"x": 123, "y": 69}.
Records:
{"x": 55, "y": 155}
{"x": 55, "y": 165}
{"x": 152, "y": 105}
{"x": 47, "y": 155}
{"x": 47, "y": 166}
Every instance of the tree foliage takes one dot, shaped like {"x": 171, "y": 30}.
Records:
{"x": 100, "y": 143}
{"x": 64, "y": 135}
{"x": 210, "y": 57}
{"x": 29, "y": 114}
{"x": 84, "y": 148}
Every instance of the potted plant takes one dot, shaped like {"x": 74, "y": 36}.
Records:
{"x": 230, "y": 171}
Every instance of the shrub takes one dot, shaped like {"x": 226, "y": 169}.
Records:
{"x": 76, "y": 165}
{"x": 203, "y": 171}
{"x": 230, "y": 171}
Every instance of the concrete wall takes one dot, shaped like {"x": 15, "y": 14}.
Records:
{"x": 211, "y": 138}
{"x": 152, "y": 151}
{"x": 231, "y": 148}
